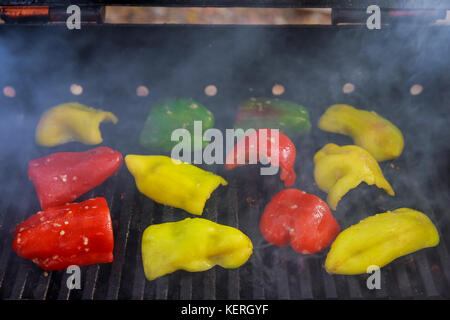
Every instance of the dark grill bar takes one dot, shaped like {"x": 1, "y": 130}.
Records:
{"x": 312, "y": 64}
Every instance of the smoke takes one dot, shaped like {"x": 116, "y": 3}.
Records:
{"x": 311, "y": 63}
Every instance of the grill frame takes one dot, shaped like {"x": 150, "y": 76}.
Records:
{"x": 271, "y": 273}
{"x": 336, "y": 4}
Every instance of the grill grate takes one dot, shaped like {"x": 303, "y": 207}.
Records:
{"x": 312, "y": 64}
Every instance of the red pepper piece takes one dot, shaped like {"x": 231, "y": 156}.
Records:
{"x": 300, "y": 219}
{"x": 74, "y": 234}
{"x": 62, "y": 177}
{"x": 286, "y": 153}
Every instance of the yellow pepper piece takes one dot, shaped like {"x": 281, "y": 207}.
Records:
{"x": 192, "y": 245}
{"x": 172, "y": 182}
{"x": 369, "y": 130}
{"x": 71, "y": 122}
{"x": 380, "y": 239}
{"x": 340, "y": 169}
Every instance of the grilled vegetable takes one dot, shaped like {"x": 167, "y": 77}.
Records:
{"x": 300, "y": 219}
{"x": 62, "y": 177}
{"x": 172, "y": 182}
{"x": 290, "y": 118}
{"x": 192, "y": 245}
{"x": 71, "y": 122}
{"x": 251, "y": 146}
{"x": 380, "y": 137}
{"x": 340, "y": 169}
{"x": 73, "y": 234}
{"x": 168, "y": 115}
{"x": 380, "y": 239}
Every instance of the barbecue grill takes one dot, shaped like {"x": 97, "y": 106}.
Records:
{"x": 109, "y": 62}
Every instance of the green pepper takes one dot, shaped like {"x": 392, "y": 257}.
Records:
{"x": 290, "y": 118}
{"x": 171, "y": 114}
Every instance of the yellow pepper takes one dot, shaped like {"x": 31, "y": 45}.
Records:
{"x": 71, "y": 122}
{"x": 172, "y": 182}
{"x": 368, "y": 129}
{"x": 192, "y": 245}
{"x": 340, "y": 169}
{"x": 380, "y": 239}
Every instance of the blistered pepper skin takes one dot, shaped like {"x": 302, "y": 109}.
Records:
{"x": 380, "y": 239}
{"x": 338, "y": 169}
{"x": 71, "y": 122}
{"x": 172, "y": 182}
{"x": 380, "y": 137}
{"x": 192, "y": 245}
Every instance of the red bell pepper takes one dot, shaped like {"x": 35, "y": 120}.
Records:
{"x": 62, "y": 177}
{"x": 300, "y": 219}
{"x": 285, "y": 156}
{"x": 74, "y": 234}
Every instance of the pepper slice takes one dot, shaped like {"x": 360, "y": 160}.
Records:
{"x": 62, "y": 177}
{"x": 192, "y": 245}
{"x": 171, "y": 114}
{"x": 172, "y": 182}
{"x": 291, "y": 118}
{"x": 368, "y": 129}
{"x": 300, "y": 219}
{"x": 252, "y": 144}
{"x": 71, "y": 122}
{"x": 340, "y": 169}
{"x": 74, "y": 234}
{"x": 380, "y": 239}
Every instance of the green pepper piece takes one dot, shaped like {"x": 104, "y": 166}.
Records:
{"x": 291, "y": 118}
{"x": 171, "y": 114}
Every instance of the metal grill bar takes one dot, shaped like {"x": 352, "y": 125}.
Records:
{"x": 255, "y": 207}
{"x": 209, "y": 282}
{"x": 330, "y": 287}
{"x": 139, "y": 278}
{"x": 232, "y": 214}
{"x": 91, "y": 280}
{"x": 305, "y": 278}
{"x": 122, "y": 238}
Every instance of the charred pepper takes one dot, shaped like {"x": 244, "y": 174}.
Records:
{"x": 71, "y": 122}
{"x": 171, "y": 114}
{"x": 73, "y": 234}
{"x": 290, "y": 118}
{"x": 172, "y": 182}
{"x": 340, "y": 169}
{"x": 62, "y": 177}
{"x": 192, "y": 245}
